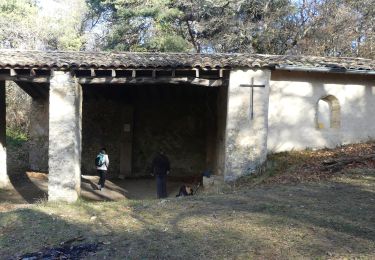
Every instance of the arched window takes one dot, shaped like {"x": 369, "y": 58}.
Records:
{"x": 328, "y": 113}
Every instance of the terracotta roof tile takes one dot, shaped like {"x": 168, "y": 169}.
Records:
{"x": 123, "y": 60}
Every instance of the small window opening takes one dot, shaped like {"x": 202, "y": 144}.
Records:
{"x": 328, "y": 113}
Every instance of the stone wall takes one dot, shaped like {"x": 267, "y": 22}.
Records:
{"x": 293, "y": 110}
{"x": 100, "y": 128}
{"x": 38, "y": 134}
{"x": 172, "y": 118}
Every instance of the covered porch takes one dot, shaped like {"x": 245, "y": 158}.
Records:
{"x": 195, "y": 108}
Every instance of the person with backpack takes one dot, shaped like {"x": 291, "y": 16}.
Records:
{"x": 102, "y": 163}
{"x": 161, "y": 168}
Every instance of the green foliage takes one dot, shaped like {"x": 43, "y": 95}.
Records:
{"x": 25, "y": 24}
{"x": 176, "y": 25}
{"x": 15, "y": 137}
{"x": 324, "y": 28}
{"x": 169, "y": 43}
{"x": 17, "y": 23}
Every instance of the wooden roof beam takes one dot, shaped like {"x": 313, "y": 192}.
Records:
{"x": 149, "y": 80}
{"x": 25, "y": 75}
{"x": 36, "y": 91}
{"x": 114, "y": 76}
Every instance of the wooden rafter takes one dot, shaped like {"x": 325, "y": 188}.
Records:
{"x": 185, "y": 80}
{"x": 36, "y": 91}
{"x": 194, "y": 76}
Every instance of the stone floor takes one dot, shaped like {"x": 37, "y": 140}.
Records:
{"x": 33, "y": 187}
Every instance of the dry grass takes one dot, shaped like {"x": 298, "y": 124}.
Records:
{"x": 306, "y": 166}
{"x": 333, "y": 218}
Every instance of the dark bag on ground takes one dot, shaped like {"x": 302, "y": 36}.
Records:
{"x": 185, "y": 191}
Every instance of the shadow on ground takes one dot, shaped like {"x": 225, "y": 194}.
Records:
{"x": 32, "y": 187}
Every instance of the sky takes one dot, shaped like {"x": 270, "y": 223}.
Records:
{"x": 50, "y": 6}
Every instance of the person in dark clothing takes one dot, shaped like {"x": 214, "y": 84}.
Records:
{"x": 161, "y": 168}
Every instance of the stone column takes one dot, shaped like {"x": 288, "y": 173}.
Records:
{"x": 211, "y": 132}
{"x": 4, "y": 178}
{"x": 65, "y": 117}
{"x": 38, "y": 144}
{"x": 222, "y": 106}
{"x": 247, "y": 122}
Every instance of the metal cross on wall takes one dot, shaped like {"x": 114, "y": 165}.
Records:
{"x": 252, "y": 86}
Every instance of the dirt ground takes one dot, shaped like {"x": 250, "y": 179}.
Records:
{"x": 33, "y": 187}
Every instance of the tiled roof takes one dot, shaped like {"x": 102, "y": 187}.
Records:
{"x": 123, "y": 60}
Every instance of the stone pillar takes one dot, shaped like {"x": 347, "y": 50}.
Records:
{"x": 65, "y": 117}
{"x": 211, "y": 132}
{"x": 247, "y": 122}
{"x": 4, "y": 178}
{"x": 222, "y": 105}
{"x": 216, "y": 141}
{"x": 38, "y": 144}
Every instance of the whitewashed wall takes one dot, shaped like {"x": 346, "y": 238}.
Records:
{"x": 246, "y": 137}
{"x": 292, "y": 110}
